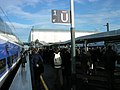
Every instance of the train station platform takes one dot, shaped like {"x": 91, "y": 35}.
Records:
{"x": 49, "y": 76}
{"x": 96, "y": 81}
{"x": 48, "y": 79}
{"x": 22, "y": 79}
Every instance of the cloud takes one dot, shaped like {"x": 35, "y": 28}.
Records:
{"x": 18, "y": 12}
{"x": 44, "y": 24}
{"x": 18, "y": 25}
{"x": 100, "y": 17}
{"x": 98, "y": 20}
{"x": 83, "y": 1}
{"x": 92, "y": 0}
{"x": 20, "y": 3}
{"x": 30, "y": 2}
{"x": 16, "y": 9}
{"x": 78, "y": 1}
{"x": 49, "y": 1}
{"x": 114, "y": 26}
{"x": 20, "y": 30}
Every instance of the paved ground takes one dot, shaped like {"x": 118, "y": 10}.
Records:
{"x": 97, "y": 81}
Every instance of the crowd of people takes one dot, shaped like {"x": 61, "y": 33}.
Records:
{"x": 96, "y": 57}
{"x": 60, "y": 60}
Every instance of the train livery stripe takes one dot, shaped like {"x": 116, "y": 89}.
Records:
{"x": 43, "y": 82}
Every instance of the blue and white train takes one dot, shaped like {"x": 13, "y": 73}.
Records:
{"x": 10, "y": 48}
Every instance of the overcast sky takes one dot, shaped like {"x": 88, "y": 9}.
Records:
{"x": 90, "y": 15}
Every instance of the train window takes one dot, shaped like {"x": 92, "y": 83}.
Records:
{"x": 2, "y": 65}
{"x": 14, "y": 57}
{"x": 9, "y": 62}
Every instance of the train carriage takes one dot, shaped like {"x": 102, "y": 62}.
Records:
{"x": 10, "y": 48}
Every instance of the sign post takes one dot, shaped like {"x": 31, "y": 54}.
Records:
{"x": 73, "y": 65}
{"x": 72, "y": 37}
{"x": 67, "y": 17}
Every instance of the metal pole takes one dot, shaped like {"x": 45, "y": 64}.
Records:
{"x": 107, "y": 27}
{"x": 73, "y": 67}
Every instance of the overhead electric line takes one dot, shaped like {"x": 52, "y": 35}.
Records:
{"x": 7, "y": 17}
{"x": 10, "y": 22}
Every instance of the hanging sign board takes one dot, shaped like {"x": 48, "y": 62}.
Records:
{"x": 60, "y": 16}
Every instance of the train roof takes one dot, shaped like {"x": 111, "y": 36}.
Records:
{"x": 103, "y": 36}
{"x": 10, "y": 38}
{"x": 6, "y": 32}
{"x": 4, "y": 27}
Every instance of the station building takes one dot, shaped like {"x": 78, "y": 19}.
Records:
{"x": 54, "y": 36}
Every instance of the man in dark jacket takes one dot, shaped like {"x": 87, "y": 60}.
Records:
{"x": 38, "y": 68}
{"x": 66, "y": 70}
{"x": 110, "y": 56}
{"x": 84, "y": 67}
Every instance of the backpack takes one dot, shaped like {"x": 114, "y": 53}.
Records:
{"x": 57, "y": 60}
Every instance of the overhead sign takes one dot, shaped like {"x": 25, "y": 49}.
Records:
{"x": 60, "y": 16}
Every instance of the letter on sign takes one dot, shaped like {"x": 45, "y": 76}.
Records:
{"x": 60, "y": 16}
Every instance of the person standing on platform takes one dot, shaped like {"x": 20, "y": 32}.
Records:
{"x": 84, "y": 64}
{"x": 94, "y": 59}
{"x": 110, "y": 56}
{"x": 66, "y": 70}
{"x": 23, "y": 59}
{"x": 58, "y": 67}
{"x": 38, "y": 67}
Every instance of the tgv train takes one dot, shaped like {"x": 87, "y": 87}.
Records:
{"x": 10, "y": 48}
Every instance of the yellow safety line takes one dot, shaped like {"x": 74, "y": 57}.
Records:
{"x": 43, "y": 82}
